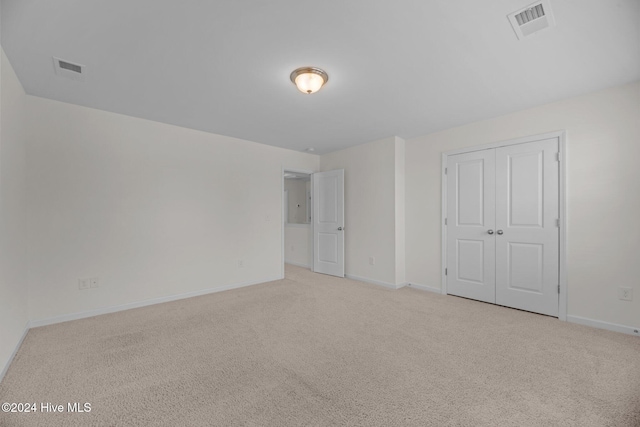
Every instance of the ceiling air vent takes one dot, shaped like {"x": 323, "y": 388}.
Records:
{"x": 531, "y": 19}
{"x": 69, "y": 69}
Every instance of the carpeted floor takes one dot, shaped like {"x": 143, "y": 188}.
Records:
{"x": 312, "y": 350}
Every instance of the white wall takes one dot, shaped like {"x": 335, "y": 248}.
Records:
{"x": 297, "y": 189}
{"x": 153, "y": 210}
{"x": 13, "y": 231}
{"x": 603, "y": 144}
{"x": 370, "y": 208}
{"x": 297, "y": 244}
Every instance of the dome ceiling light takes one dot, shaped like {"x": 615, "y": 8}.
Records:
{"x": 309, "y": 79}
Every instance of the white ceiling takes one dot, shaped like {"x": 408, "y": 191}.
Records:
{"x": 405, "y": 67}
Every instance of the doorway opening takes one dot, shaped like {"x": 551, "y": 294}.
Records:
{"x": 313, "y": 220}
{"x": 297, "y": 216}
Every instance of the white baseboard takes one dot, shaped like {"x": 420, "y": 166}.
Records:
{"x": 425, "y": 288}
{"x": 15, "y": 350}
{"x": 374, "y": 282}
{"x": 604, "y": 325}
{"x": 129, "y": 306}
{"x": 298, "y": 264}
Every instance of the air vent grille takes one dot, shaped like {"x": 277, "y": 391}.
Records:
{"x": 531, "y": 19}
{"x": 71, "y": 67}
{"x": 530, "y": 14}
{"x": 69, "y": 70}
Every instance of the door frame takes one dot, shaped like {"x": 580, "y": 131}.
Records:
{"x": 282, "y": 224}
{"x": 562, "y": 136}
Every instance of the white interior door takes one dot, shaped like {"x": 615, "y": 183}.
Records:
{"x": 328, "y": 222}
{"x": 527, "y": 235}
{"x": 470, "y": 224}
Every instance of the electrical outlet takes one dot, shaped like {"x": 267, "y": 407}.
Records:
{"x": 94, "y": 282}
{"x": 372, "y": 260}
{"x": 240, "y": 263}
{"x": 83, "y": 284}
{"x": 625, "y": 294}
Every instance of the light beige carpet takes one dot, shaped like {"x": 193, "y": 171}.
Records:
{"x": 312, "y": 350}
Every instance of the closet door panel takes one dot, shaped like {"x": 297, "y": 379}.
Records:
{"x": 470, "y": 218}
{"x": 527, "y": 235}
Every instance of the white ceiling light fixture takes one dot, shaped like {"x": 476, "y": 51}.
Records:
{"x": 309, "y": 79}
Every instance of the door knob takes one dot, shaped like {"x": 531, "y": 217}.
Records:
{"x": 340, "y": 229}
{"x": 500, "y": 232}
{"x": 490, "y": 231}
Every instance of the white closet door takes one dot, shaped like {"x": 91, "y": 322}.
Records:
{"x": 470, "y": 220}
{"x": 328, "y": 222}
{"x": 527, "y": 235}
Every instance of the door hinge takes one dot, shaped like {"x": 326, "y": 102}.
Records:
{"x": 558, "y": 156}
{"x": 446, "y": 272}
{"x": 445, "y": 221}
{"x": 558, "y": 222}
{"x": 445, "y": 170}
{"x": 558, "y": 287}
